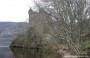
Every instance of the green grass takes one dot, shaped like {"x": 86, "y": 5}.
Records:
{"x": 87, "y": 44}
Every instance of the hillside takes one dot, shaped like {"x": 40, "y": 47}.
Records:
{"x": 10, "y": 29}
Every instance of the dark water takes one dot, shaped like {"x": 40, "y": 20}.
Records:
{"x": 6, "y": 52}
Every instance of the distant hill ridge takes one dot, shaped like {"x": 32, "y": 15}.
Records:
{"x": 12, "y": 28}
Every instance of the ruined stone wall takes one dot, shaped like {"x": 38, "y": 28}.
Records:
{"x": 38, "y": 21}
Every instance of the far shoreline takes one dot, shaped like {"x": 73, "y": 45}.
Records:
{"x": 3, "y": 46}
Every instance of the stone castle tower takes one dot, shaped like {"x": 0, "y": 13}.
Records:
{"x": 38, "y": 21}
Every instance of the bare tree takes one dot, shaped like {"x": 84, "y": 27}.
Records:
{"x": 70, "y": 19}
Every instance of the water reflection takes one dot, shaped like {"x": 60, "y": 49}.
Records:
{"x": 32, "y": 53}
{"x": 6, "y": 52}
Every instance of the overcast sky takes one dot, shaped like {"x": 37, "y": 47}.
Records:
{"x": 14, "y": 10}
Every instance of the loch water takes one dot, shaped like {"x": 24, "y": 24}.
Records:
{"x": 7, "y": 52}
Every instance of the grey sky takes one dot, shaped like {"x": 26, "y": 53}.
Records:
{"x": 14, "y": 10}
